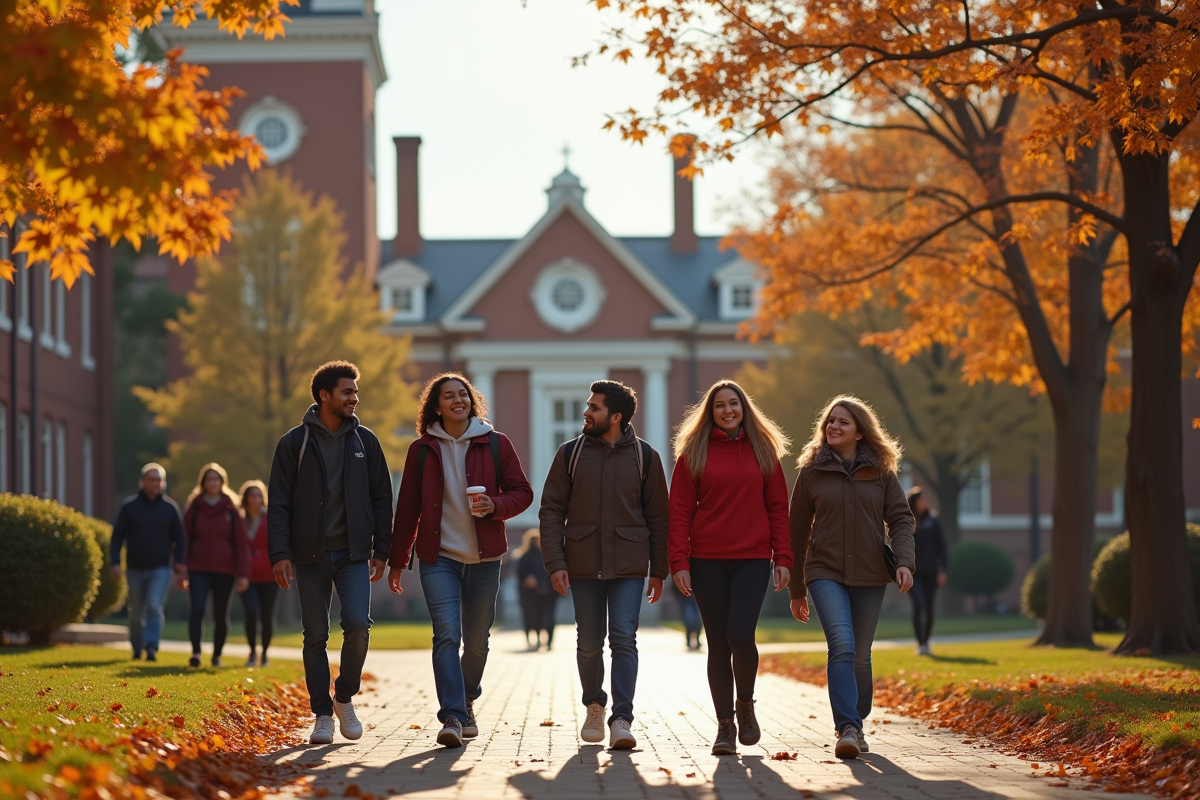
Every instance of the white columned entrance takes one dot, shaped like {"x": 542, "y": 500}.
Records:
{"x": 655, "y": 427}
{"x": 483, "y": 380}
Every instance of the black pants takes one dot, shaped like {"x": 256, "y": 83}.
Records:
{"x": 729, "y": 593}
{"x": 200, "y": 585}
{"x": 923, "y": 593}
{"x": 259, "y": 602}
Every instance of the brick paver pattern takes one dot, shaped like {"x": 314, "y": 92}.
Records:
{"x": 529, "y": 746}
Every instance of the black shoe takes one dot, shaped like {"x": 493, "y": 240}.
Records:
{"x": 152, "y": 655}
{"x": 726, "y": 733}
{"x": 451, "y": 734}
{"x": 137, "y": 655}
{"x": 194, "y": 661}
{"x": 748, "y": 731}
{"x": 216, "y": 661}
{"x": 470, "y": 728}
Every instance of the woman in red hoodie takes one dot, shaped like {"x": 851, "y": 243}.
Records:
{"x": 729, "y": 522}
{"x": 258, "y": 599}
{"x": 218, "y": 555}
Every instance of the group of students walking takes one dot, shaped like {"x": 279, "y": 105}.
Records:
{"x": 610, "y": 533}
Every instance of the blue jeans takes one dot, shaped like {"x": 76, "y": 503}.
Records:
{"x": 315, "y": 584}
{"x": 849, "y": 615}
{"x": 609, "y": 607}
{"x": 462, "y": 604}
{"x": 147, "y": 594}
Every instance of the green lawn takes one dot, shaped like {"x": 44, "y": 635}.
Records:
{"x": 778, "y": 629}
{"x": 1152, "y": 699}
{"x": 64, "y": 706}
{"x": 384, "y": 635}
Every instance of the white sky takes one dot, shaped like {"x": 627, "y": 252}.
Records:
{"x": 488, "y": 86}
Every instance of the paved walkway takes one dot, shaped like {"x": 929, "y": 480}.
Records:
{"x": 529, "y": 747}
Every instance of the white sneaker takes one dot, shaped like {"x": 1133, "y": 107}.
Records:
{"x": 347, "y": 720}
{"x": 593, "y": 728}
{"x": 619, "y": 736}
{"x": 322, "y": 731}
{"x": 923, "y": 650}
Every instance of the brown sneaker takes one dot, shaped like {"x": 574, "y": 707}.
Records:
{"x": 847, "y": 743}
{"x": 748, "y": 731}
{"x": 726, "y": 733}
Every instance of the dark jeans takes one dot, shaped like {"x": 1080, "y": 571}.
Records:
{"x": 849, "y": 615}
{"x": 547, "y": 605}
{"x": 922, "y": 594}
{"x": 147, "y": 594}
{"x": 537, "y": 611}
{"x": 612, "y": 608}
{"x": 315, "y": 583}
{"x": 200, "y": 585}
{"x": 259, "y": 602}
{"x": 730, "y": 592}
{"x": 462, "y": 604}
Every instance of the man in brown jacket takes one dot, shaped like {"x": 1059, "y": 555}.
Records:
{"x": 604, "y": 525}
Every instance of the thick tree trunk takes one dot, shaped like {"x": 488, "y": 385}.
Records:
{"x": 949, "y": 484}
{"x": 1163, "y": 618}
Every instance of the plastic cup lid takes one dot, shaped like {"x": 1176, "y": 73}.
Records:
{"x": 476, "y": 489}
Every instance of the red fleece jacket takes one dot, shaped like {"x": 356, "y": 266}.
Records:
{"x": 732, "y": 511}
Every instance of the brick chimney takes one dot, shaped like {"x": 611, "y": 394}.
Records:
{"x": 684, "y": 240}
{"x": 408, "y": 223}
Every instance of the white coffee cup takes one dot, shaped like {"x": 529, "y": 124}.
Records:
{"x": 474, "y": 493}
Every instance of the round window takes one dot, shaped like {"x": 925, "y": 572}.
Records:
{"x": 276, "y": 126}
{"x": 568, "y": 294}
{"x": 271, "y": 132}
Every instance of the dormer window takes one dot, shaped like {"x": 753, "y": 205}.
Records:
{"x": 738, "y": 289}
{"x": 741, "y": 298}
{"x": 402, "y": 300}
{"x": 402, "y": 288}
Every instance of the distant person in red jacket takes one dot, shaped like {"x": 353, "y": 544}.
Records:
{"x": 259, "y": 597}
{"x": 729, "y": 522}
{"x": 458, "y": 536}
{"x": 218, "y": 555}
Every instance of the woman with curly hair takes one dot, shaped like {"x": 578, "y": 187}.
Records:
{"x": 846, "y": 494}
{"x": 462, "y": 479}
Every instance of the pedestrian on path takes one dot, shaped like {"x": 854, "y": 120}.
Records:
{"x": 538, "y": 598}
{"x": 932, "y": 560}
{"x": 728, "y": 540}
{"x": 218, "y": 556}
{"x": 462, "y": 479}
{"x": 604, "y": 526}
{"x": 258, "y": 600}
{"x": 689, "y": 615}
{"x": 329, "y": 527}
{"x": 847, "y": 491}
{"x": 150, "y": 529}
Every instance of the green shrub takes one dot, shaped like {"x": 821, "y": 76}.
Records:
{"x": 49, "y": 566}
{"x": 979, "y": 567}
{"x": 1112, "y": 574}
{"x": 1035, "y": 589}
{"x": 110, "y": 595}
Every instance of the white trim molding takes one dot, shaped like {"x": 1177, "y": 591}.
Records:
{"x": 738, "y": 280}
{"x": 403, "y": 275}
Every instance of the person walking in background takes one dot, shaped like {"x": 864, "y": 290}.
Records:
{"x": 846, "y": 492}
{"x": 604, "y": 526}
{"x": 462, "y": 479}
{"x": 329, "y": 527}
{"x": 729, "y": 538}
{"x": 258, "y": 600}
{"x": 689, "y": 614}
{"x": 538, "y": 598}
{"x": 150, "y": 529}
{"x": 932, "y": 560}
{"x": 218, "y": 556}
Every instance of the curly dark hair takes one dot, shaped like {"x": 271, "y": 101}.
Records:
{"x": 619, "y": 399}
{"x": 427, "y": 403}
{"x": 327, "y": 376}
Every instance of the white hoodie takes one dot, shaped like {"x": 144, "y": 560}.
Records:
{"x": 459, "y": 541}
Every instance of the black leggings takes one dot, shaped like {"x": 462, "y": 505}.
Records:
{"x": 200, "y": 584}
{"x": 729, "y": 593}
{"x": 259, "y": 602}
{"x": 923, "y": 592}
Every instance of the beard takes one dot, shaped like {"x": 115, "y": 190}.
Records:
{"x": 597, "y": 428}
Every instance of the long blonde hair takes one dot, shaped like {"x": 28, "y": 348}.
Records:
{"x": 691, "y": 436}
{"x": 531, "y": 536}
{"x": 213, "y": 466}
{"x": 254, "y": 483}
{"x": 887, "y": 449}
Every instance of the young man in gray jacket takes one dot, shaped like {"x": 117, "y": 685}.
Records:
{"x": 330, "y": 525}
{"x": 604, "y": 527}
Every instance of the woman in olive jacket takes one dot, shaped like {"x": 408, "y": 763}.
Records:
{"x": 846, "y": 493}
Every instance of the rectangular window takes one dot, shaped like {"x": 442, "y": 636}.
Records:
{"x": 24, "y": 330}
{"x": 3, "y": 446}
{"x": 60, "y": 319}
{"x": 85, "y": 322}
{"x": 47, "y": 306}
{"x": 402, "y": 300}
{"x": 47, "y": 458}
{"x": 24, "y": 447}
{"x": 742, "y": 298}
{"x": 975, "y": 498}
{"x": 566, "y": 419}
{"x": 88, "y": 508}
{"x": 60, "y": 463}
{"x": 5, "y": 319}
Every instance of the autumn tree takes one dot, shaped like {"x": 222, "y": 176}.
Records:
{"x": 93, "y": 150}
{"x": 263, "y": 316}
{"x": 1121, "y": 74}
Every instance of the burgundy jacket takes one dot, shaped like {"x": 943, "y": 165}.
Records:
{"x": 260, "y": 563}
{"x": 419, "y": 507}
{"x": 216, "y": 538}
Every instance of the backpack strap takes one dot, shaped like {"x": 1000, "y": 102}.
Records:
{"x": 494, "y": 444}
{"x": 644, "y": 459}
{"x": 642, "y": 453}
{"x": 571, "y": 456}
{"x": 303, "y": 447}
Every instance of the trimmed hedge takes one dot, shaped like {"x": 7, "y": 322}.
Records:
{"x": 49, "y": 566}
{"x": 1112, "y": 574}
{"x": 111, "y": 593}
{"x": 980, "y": 568}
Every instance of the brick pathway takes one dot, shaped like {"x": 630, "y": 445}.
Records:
{"x": 520, "y": 755}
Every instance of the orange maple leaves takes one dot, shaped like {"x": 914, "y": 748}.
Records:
{"x": 95, "y": 150}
